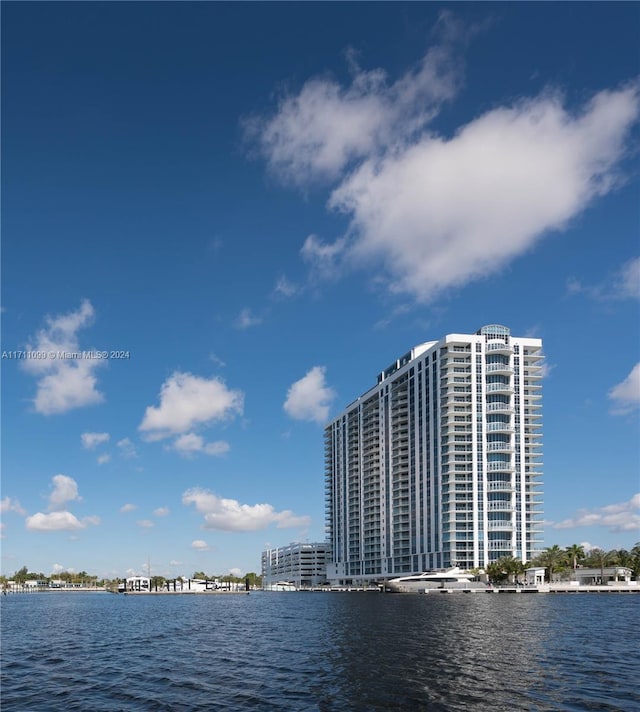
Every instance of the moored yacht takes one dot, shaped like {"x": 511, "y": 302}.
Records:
{"x": 453, "y": 578}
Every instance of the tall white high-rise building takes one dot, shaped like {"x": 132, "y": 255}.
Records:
{"x": 439, "y": 464}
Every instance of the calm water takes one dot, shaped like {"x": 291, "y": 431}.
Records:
{"x": 320, "y": 651}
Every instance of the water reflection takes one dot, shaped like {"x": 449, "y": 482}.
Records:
{"x": 323, "y": 652}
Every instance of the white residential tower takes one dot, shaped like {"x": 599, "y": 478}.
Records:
{"x": 439, "y": 464}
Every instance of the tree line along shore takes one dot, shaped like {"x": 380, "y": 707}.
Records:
{"x": 560, "y": 564}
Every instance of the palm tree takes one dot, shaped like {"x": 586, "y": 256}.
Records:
{"x": 599, "y": 557}
{"x": 575, "y": 553}
{"x": 622, "y": 557}
{"x": 635, "y": 553}
{"x": 496, "y": 571}
{"x": 552, "y": 559}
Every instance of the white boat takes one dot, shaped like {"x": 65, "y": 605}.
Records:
{"x": 450, "y": 579}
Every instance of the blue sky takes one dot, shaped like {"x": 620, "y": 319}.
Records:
{"x": 255, "y": 208}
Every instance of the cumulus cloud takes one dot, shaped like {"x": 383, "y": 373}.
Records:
{"x": 128, "y": 507}
{"x": 161, "y": 511}
{"x": 189, "y": 444}
{"x": 145, "y": 523}
{"x": 310, "y": 397}
{"x": 187, "y": 401}
{"x": 64, "y": 489}
{"x": 11, "y": 505}
{"x": 230, "y": 515}
{"x": 92, "y": 440}
{"x": 623, "y": 517}
{"x": 102, "y": 459}
{"x": 58, "y": 521}
{"x": 246, "y": 319}
{"x": 127, "y": 448}
{"x": 442, "y": 212}
{"x": 66, "y": 380}
{"x": 434, "y": 211}
{"x": 199, "y": 545}
{"x": 626, "y": 395}
{"x": 317, "y": 133}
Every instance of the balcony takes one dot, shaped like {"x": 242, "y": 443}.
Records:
{"x": 501, "y": 524}
{"x": 500, "y": 467}
{"x": 500, "y": 426}
{"x": 499, "y": 347}
{"x": 500, "y": 545}
{"x": 500, "y": 447}
{"x": 502, "y": 486}
{"x": 498, "y": 368}
{"x": 499, "y": 408}
{"x": 499, "y": 388}
{"x": 500, "y": 506}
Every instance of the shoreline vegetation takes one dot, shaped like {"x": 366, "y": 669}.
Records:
{"x": 561, "y": 566}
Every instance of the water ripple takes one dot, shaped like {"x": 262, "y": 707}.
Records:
{"x": 318, "y": 652}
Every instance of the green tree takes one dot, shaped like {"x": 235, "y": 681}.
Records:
{"x": 575, "y": 554}
{"x": 553, "y": 559}
{"x": 497, "y": 571}
{"x": 254, "y": 579}
{"x": 157, "y": 582}
{"x": 622, "y": 557}
{"x": 599, "y": 558}
{"x": 20, "y": 575}
{"x": 635, "y": 553}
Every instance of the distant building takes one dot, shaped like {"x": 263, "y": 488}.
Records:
{"x": 300, "y": 565}
{"x": 439, "y": 463}
{"x": 136, "y": 583}
{"x": 608, "y": 575}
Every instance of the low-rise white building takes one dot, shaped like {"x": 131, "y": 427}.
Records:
{"x": 299, "y": 565}
{"x": 608, "y": 576}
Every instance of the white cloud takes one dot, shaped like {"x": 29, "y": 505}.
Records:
{"x": 145, "y": 523}
{"x": 230, "y": 515}
{"x": 64, "y": 382}
{"x": 186, "y": 401}
{"x": 436, "y": 212}
{"x": 92, "y": 440}
{"x": 65, "y": 489}
{"x": 285, "y": 288}
{"x": 317, "y": 133}
{"x": 128, "y": 507}
{"x": 626, "y": 395}
{"x": 310, "y": 397}
{"x": 189, "y": 444}
{"x": 161, "y": 511}
{"x": 441, "y": 213}
{"x": 199, "y": 545}
{"x": 628, "y": 281}
{"x": 57, "y": 521}
{"x": 11, "y": 505}
{"x": 623, "y": 284}
{"x": 102, "y": 459}
{"x": 235, "y": 572}
{"x": 127, "y": 448}
{"x": 246, "y": 319}
{"x": 322, "y": 257}
{"x": 621, "y": 517}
